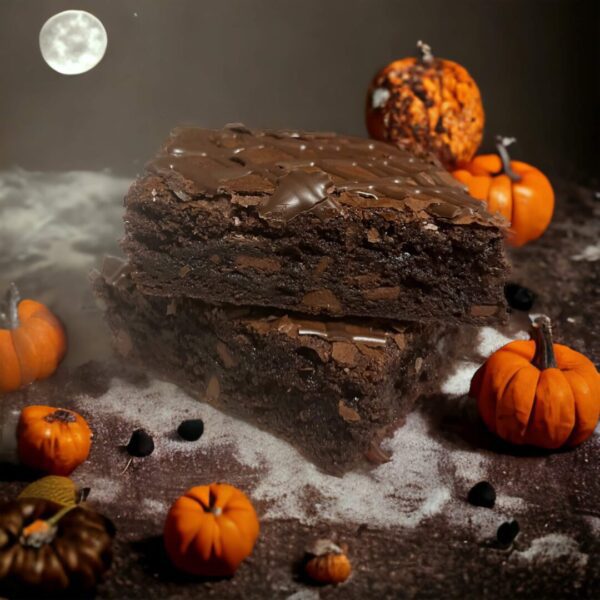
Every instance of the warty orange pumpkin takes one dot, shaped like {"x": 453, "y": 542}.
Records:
{"x": 519, "y": 192}
{"x": 53, "y": 440}
{"x": 327, "y": 562}
{"x": 210, "y": 530}
{"x": 427, "y": 104}
{"x": 32, "y": 343}
{"x": 538, "y": 393}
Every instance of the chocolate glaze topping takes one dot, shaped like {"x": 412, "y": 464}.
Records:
{"x": 306, "y": 171}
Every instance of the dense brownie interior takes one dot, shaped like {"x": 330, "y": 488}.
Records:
{"x": 332, "y": 388}
{"x": 313, "y": 223}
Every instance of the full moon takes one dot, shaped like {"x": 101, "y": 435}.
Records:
{"x": 73, "y": 42}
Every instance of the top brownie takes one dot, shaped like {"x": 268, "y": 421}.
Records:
{"x": 316, "y": 223}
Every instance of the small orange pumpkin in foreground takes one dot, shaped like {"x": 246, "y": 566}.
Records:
{"x": 54, "y": 440}
{"x": 427, "y": 104}
{"x": 32, "y": 345}
{"x": 519, "y": 192}
{"x": 328, "y": 563}
{"x": 210, "y": 530}
{"x": 538, "y": 393}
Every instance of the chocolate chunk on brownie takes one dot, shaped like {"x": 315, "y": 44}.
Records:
{"x": 314, "y": 223}
{"x": 334, "y": 389}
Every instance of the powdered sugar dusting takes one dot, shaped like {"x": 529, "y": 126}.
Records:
{"x": 555, "y": 546}
{"x": 490, "y": 339}
{"x": 409, "y": 488}
{"x": 457, "y": 384}
{"x": 589, "y": 253}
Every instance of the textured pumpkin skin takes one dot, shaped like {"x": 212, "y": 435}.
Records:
{"x": 329, "y": 568}
{"x": 53, "y": 488}
{"x": 200, "y": 542}
{"x": 52, "y": 444}
{"x": 550, "y": 408}
{"x": 527, "y": 204}
{"x": 75, "y": 559}
{"x": 32, "y": 350}
{"x": 427, "y": 106}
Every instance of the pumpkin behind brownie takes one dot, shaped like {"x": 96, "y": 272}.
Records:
{"x": 427, "y": 104}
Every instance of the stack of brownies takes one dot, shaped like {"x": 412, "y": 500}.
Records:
{"x": 309, "y": 282}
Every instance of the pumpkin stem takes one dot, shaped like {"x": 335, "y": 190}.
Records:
{"x": 42, "y": 531}
{"x": 425, "y": 53}
{"x": 62, "y": 415}
{"x": 502, "y": 144}
{"x": 11, "y": 316}
{"x": 544, "y": 351}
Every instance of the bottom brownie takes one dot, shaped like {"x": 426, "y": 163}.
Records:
{"x": 333, "y": 389}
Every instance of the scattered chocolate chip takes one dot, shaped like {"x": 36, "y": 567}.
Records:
{"x": 506, "y": 533}
{"x": 482, "y": 494}
{"x": 141, "y": 444}
{"x": 191, "y": 429}
{"x": 519, "y": 297}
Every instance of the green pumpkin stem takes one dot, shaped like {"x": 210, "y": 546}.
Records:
{"x": 544, "y": 350}
{"x": 54, "y": 519}
{"x": 425, "y": 53}
{"x": 502, "y": 144}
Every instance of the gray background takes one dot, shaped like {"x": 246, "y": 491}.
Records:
{"x": 291, "y": 63}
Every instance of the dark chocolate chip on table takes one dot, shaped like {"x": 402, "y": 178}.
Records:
{"x": 191, "y": 429}
{"x": 482, "y": 494}
{"x": 519, "y": 297}
{"x": 507, "y": 532}
{"x": 141, "y": 444}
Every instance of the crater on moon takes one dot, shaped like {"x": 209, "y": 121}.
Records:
{"x": 73, "y": 42}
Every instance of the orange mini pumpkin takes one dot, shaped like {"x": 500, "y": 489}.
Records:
{"x": 32, "y": 344}
{"x": 519, "y": 192}
{"x": 210, "y": 530}
{"x": 427, "y": 104}
{"x": 327, "y": 563}
{"x": 538, "y": 393}
{"x": 53, "y": 440}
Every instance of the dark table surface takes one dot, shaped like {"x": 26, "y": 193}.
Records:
{"x": 409, "y": 529}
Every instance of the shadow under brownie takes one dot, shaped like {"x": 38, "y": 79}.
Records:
{"x": 333, "y": 389}
{"x": 313, "y": 223}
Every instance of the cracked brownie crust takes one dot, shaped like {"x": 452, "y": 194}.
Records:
{"x": 312, "y": 223}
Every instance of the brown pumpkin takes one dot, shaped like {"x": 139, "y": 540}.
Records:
{"x": 519, "y": 192}
{"x": 53, "y": 440}
{"x": 327, "y": 562}
{"x": 48, "y": 548}
{"x": 32, "y": 343}
{"x": 210, "y": 530}
{"x": 427, "y": 104}
{"x": 538, "y": 393}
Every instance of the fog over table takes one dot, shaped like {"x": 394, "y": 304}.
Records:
{"x": 412, "y": 510}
